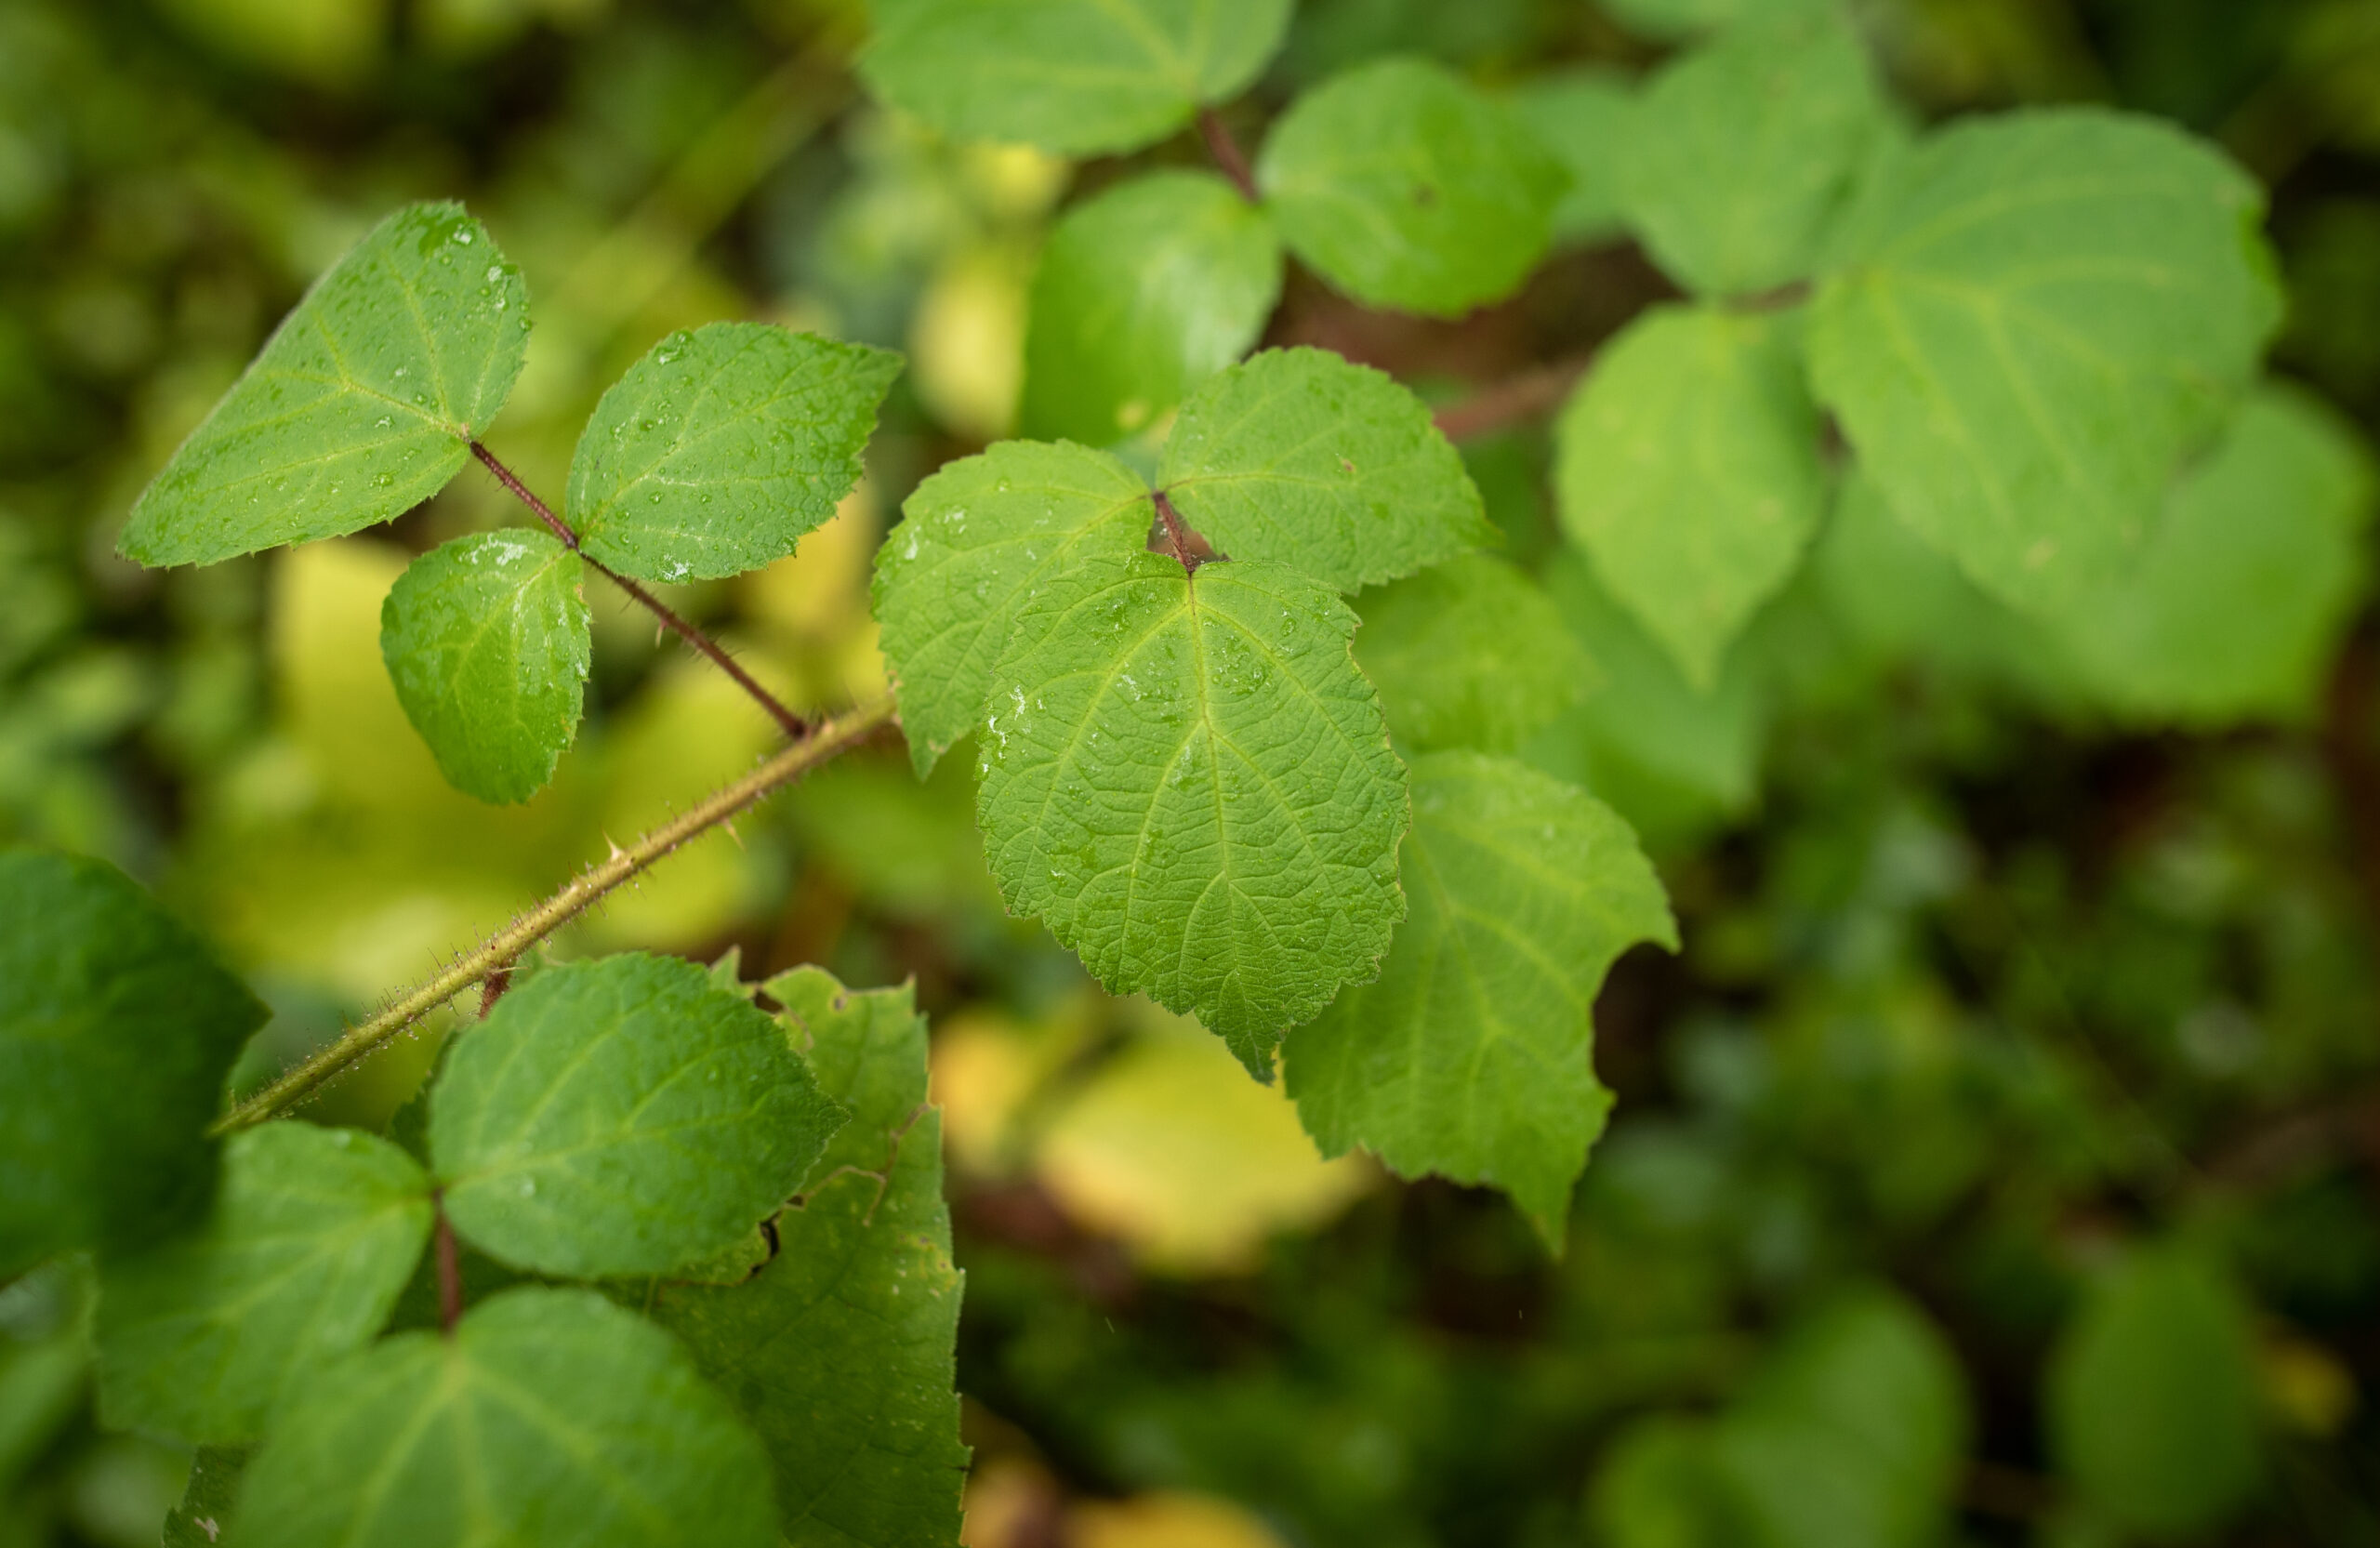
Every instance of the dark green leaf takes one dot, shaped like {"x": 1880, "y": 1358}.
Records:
{"x": 362, "y": 405}
{"x": 621, "y": 1117}
{"x": 1679, "y": 19}
{"x": 314, "y": 1235}
{"x": 215, "y": 1476}
{"x": 721, "y": 447}
{"x": 1403, "y": 187}
{"x": 117, "y": 1029}
{"x": 550, "y": 1417}
{"x": 1142, "y": 293}
{"x": 486, "y": 640}
{"x": 1469, "y": 653}
{"x": 842, "y": 1352}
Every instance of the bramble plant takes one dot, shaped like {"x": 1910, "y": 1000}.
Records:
{"x": 661, "y": 1256}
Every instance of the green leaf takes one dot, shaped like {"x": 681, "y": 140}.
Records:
{"x": 1144, "y": 292}
{"x": 551, "y": 1416}
{"x": 117, "y": 1029}
{"x": 973, "y": 540}
{"x": 1403, "y": 186}
{"x": 207, "y": 1501}
{"x": 1469, "y": 653}
{"x": 2152, "y": 1396}
{"x": 1302, "y": 458}
{"x": 721, "y": 447}
{"x": 487, "y": 641}
{"x": 1584, "y": 116}
{"x": 1469, "y": 1055}
{"x": 842, "y": 1352}
{"x": 1680, "y": 18}
{"x": 2031, "y": 318}
{"x": 620, "y": 1116}
{"x": 2235, "y": 606}
{"x": 363, "y": 402}
{"x": 314, "y": 1234}
{"x": 1188, "y": 780}
{"x": 1077, "y": 76}
{"x": 1740, "y": 153}
{"x": 1687, "y": 468}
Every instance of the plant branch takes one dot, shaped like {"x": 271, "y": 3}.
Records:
{"x": 499, "y": 951}
{"x": 1183, "y": 545}
{"x": 450, "y": 1272}
{"x": 791, "y": 722}
{"x": 1512, "y": 401}
{"x": 1228, "y": 155}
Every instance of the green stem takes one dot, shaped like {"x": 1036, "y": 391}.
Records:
{"x": 496, "y": 954}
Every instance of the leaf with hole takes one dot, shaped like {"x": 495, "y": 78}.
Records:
{"x": 1469, "y": 1056}
{"x": 549, "y": 1416}
{"x": 721, "y": 447}
{"x": 1302, "y": 458}
{"x": 1189, "y": 781}
{"x": 1142, "y": 293}
{"x": 624, "y": 1116}
{"x": 362, "y": 403}
{"x": 312, "y": 1236}
{"x": 487, "y": 641}
{"x": 1076, "y": 76}
{"x": 1403, "y": 186}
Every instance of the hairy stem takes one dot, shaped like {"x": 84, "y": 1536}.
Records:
{"x": 1228, "y": 155}
{"x": 792, "y": 724}
{"x": 498, "y": 953}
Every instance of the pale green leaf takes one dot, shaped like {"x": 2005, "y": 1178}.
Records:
{"x": 1469, "y": 653}
{"x": 117, "y": 1027}
{"x": 362, "y": 405}
{"x": 1306, "y": 459}
{"x": 2152, "y": 1396}
{"x": 486, "y": 640}
{"x": 2031, "y": 318}
{"x": 551, "y": 1416}
{"x": 1075, "y": 76}
{"x": 1686, "y": 466}
{"x": 974, "y": 539}
{"x": 2235, "y": 606}
{"x": 842, "y": 1352}
{"x": 1739, "y": 153}
{"x": 1188, "y": 780}
{"x": 1583, "y": 116}
{"x": 624, "y": 1116}
{"x": 312, "y": 1236}
{"x": 1405, "y": 187}
{"x": 721, "y": 447}
{"x": 1469, "y": 1055}
{"x": 1142, "y": 293}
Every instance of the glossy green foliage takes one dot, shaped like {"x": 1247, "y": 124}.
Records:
{"x": 1687, "y": 468}
{"x": 2234, "y": 606}
{"x": 1469, "y": 1055}
{"x": 1143, "y": 292}
{"x": 1469, "y": 653}
{"x": 117, "y": 1027}
{"x": 1303, "y": 458}
{"x": 1076, "y": 76}
{"x": 1189, "y": 781}
{"x": 1739, "y": 154}
{"x": 486, "y": 640}
{"x": 1405, "y": 188}
{"x": 2031, "y": 318}
{"x": 973, "y": 541}
{"x": 1584, "y": 117}
{"x": 842, "y": 1351}
{"x": 720, "y": 449}
{"x": 620, "y": 1116}
{"x": 361, "y": 406}
{"x": 550, "y": 1416}
{"x": 2152, "y": 1396}
{"x": 313, "y": 1234}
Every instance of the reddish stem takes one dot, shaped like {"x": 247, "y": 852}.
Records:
{"x": 492, "y": 990}
{"x": 450, "y": 1272}
{"x": 1228, "y": 155}
{"x": 1510, "y": 401}
{"x": 1186, "y": 547}
{"x": 793, "y": 724}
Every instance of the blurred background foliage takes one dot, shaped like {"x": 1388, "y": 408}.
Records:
{"x": 2000, "y": 1163}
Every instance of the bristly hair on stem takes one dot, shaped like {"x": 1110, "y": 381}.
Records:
{"x": 792, "y": 724}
